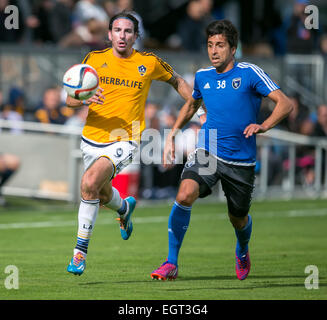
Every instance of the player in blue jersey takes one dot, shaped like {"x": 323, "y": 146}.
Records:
{"x": 226, "y": 150}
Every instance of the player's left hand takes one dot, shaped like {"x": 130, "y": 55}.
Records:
{"x": 253, "y": 128}
{"x": 98, "y": 98}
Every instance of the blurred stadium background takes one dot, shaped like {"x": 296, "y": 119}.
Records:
{"x": 43, "y": 134}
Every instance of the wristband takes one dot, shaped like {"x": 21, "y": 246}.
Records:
{"x": 200, "y": 112}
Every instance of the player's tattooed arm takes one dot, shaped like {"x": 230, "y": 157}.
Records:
{"x": 180, "y": 85}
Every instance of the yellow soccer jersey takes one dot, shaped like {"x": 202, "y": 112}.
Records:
{"x": 126, "y": 83}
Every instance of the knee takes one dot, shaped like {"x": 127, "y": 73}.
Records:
{"x": 89, "y": 188}
{"x": 12, "y": 162}
{"x": 186, "y": 196}
{"x": 238, "y": 214}
{"x": 238, "y": 222}
{"x": 15, "y": 164}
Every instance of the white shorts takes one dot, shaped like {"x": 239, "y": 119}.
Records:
{"x": 120, "y": 153}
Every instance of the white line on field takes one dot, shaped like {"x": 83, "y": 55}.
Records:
{"x": 164, "y": 219}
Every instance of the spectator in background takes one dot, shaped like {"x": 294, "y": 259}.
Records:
{"x": 13, "y": 110}
{"x": 78, "y": 119}
{"x": 190, "y": 29}
{"x": 51, "y": 110}
{"x": 276, "y": 152}
{"x": 61, "y": 19}
{"x": 276, "y": 28}
{"x": 43, "y": 12}
{"x": 110, "y": 7}
{"x": 9, "y": 164}
{"x": 1, "y": 100}
{"x": 323, "y": 52}
{"x": 299, "y": 120}
{"x": 320, "y": 130}
{"x": 17, "y": 101}
{"x": 300, "y": 40}
{"x": 323, "y": 45}
{"x": 89, "y": 26}
{"x": 89, "y": 34}
{"x": 151, "y": 115}
{"x": 89, "y": 9}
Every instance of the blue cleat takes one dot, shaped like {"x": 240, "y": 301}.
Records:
{"x": 77, "y": 265}
{"x": 126, "y": 225}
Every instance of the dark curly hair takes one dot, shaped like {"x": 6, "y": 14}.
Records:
{"x": 226, "y": 28}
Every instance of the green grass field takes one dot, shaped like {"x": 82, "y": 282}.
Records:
{"x": 38, "y": 238}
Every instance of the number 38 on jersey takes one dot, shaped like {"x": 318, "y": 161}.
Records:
{"x": 221, "y": 84}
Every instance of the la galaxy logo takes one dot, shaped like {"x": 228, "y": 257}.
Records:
{"x": 236, "y": 83}
{"x": 119, "y": 152}
{"x": 190, "y": 160}
{"x": 142, "y": 70}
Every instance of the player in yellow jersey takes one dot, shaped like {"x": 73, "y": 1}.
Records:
{"x": 114, "y": 125}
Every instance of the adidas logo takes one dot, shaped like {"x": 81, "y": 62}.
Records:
{"x": 207, "y": 86}
{"x": 104, "y": 65}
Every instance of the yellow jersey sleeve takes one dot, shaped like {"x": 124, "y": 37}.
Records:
{"x": 162, "y": 71}
{"x": 93, "y": 58}
{"x": 88, "y": 59}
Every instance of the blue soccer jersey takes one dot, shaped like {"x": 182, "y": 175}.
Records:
{"x": 232, "y": 100}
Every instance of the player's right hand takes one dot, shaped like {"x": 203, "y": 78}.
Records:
{"x": 169, "y": 152}
{"x": 254, "y": 128}
{"x": 98, "y": 98}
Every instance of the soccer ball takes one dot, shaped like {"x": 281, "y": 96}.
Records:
{"x": 81, "y": 81}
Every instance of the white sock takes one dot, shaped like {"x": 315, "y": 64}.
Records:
{"x": 87, "y": 214}
{"x": 116, "y": 203}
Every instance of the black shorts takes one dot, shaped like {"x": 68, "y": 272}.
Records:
{"x": 237, "y": 181}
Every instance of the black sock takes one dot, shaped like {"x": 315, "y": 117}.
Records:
{"x": 5, "y": 176}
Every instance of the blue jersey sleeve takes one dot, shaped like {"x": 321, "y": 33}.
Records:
{"x": 261, "y": 82}
{"x": 196, "y": 94}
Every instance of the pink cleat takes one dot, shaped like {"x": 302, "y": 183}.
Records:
{"x": 165, "y": 271}
{"x": 242, "y": 266}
